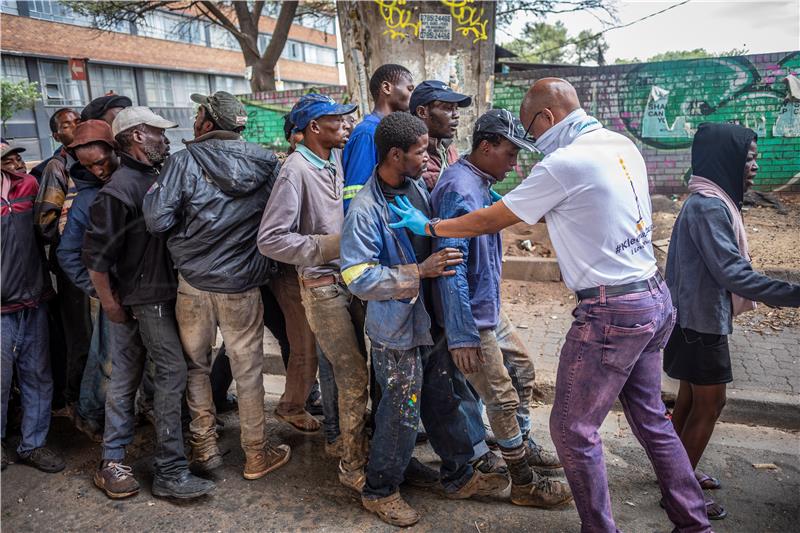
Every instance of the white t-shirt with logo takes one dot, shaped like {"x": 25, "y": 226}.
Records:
{"x": 593, "y": 194}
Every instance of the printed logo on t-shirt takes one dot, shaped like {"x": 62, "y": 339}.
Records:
{"x": 642, "y": 234}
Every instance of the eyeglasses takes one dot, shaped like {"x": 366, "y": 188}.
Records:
{"x": 530, "y": 125}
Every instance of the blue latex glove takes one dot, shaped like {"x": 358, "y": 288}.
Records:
{"x": 410, "y": 217}
{"x": 496, "y": 196}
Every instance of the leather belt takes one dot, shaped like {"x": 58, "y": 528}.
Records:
{"x": 619, "y": 290}
{"x": 322, "y": 281}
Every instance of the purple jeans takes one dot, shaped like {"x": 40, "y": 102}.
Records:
{"x": 613, "y": 349}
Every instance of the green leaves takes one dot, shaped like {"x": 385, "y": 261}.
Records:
{"x": 17, "y": 96}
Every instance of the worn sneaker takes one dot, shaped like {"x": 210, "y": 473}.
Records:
{"x": 183, "y": 487}
{"x": 392, "y": 509}
{"x": 205, "y": 454}
{"x": 259, "y": 464}
{"x": 542, "y": 493}
{"x": 43, "y": 459}
{"x": 88, "y": 427}
{"x": 420, "y": 475}
{"x": 354, "y": 479}
{"x": 489, "y": 463}
{"x": 542, "y": 460}
{"x": 334, "y": 449}
{"x": 481, "y": 484}
{"x": 116, "y": 480}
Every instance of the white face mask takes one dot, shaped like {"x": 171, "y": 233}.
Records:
{"x": 563, "y": 133}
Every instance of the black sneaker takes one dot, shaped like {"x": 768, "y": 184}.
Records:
{"x": 43, "y": 459}
{"x": 186, "y": 486}
{"x": 420, "y": 475}
{"x": 489, "y": 463}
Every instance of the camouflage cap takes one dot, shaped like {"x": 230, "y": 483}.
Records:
{"x": 224, "y": 108}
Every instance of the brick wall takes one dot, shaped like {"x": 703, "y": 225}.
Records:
{"x": 265, "y": 111}
{"x": 659, "y": 106}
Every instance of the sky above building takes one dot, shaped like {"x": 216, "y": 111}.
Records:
{"x": 717, "y": 25}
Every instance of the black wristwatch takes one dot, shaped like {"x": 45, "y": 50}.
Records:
{"x": 432, "y": 226}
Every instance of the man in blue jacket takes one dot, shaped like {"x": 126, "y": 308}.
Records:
{"x": 470, "y": 300}
{"x": 391, "y": 269}
{"x": 390, "y": 86}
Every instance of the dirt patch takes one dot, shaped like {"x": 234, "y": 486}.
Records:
{"x": 524, "y": 240}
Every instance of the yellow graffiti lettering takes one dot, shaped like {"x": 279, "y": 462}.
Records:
{"x": 397, "y": 19}
{"x": 468, "y": 18}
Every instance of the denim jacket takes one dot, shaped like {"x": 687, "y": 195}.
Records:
{"x": 379, "y": 265}
{"x": 469, "y": 301}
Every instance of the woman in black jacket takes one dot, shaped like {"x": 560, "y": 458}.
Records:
{"x": 711, "y": 281}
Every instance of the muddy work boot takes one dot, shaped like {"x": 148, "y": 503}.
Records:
{"x": 116, "y": 480}
{"x": 43, "y": 459}
{"x": 260, "y": 463}
{"x": 544, "y": 492}
{"x": 205, "y": 454}
{"x": 353, "y": 479}
{"x": 480, "y": 484}
{"x": 542, "y": 460}
{"x": 184, "y": 486}
{"x": 392, "y": 509}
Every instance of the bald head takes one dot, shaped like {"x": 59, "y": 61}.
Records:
{"x": 552, "y": 99}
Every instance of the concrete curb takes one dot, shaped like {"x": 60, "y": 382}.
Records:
{"x": 759, "y": 408}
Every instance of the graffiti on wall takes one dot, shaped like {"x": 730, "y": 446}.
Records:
{"x": 664, "y": 108}
{"x": 469, "y": 18}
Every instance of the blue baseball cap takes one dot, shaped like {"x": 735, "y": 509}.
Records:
{"x": 312, "y": 106}
{"x": 431, "y": 90}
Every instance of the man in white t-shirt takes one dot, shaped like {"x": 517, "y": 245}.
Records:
{"x": 592, "y": 190}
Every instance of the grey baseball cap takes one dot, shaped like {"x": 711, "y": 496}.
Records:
{"x": 133, "y": 116}
{"x": 226, "y": 110}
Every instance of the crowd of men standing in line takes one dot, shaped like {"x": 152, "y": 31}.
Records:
{"x": 342, "y": 241}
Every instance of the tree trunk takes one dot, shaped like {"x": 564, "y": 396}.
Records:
{"x": 264, "y": 67}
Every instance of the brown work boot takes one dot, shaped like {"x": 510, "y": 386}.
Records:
{"x": 543, "y": 492}
{"x": 354, "y": 479}
{"x": 542, "y": 460}
{"x": 260, "y": 463}
{"x": 116, "y": 480}
{"x": 392, "y": 509}
{"x": 480, "y": 484}
{"x": 205, "y": 454}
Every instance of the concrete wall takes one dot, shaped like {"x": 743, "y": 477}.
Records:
{"x": 659, "y": 106}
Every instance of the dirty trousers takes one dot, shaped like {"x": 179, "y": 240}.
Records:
{"x": 519, "y": 363}
{"x": 301, "y": 370}
{"x": 613, "y": 350}
{"x": 337, "y": 319}
{"x": 494, "y": 386}
{"x": 240, "y": 320}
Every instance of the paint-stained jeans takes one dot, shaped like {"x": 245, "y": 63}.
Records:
{"x": 301, "y": 370}
{"x": 151, "y": 337}
{"x": 413, "y": 383}
{"x": 24, "y": 348}
{"x": 240, "y": 320}
{"x": 493, "y": 385}
{"x": 337, "y": 319}
{"x": 613, "y": 350}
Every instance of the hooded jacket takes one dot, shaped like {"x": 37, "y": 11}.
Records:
{"x": 87, "y": 186}
{"x": 704, "y": 265}
{"x": 210, "y": 198}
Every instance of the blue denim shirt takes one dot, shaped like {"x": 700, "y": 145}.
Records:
{"x": 469, "y": 301}
{"x": 378, "y": 265}
{"x": 704, "y": 267}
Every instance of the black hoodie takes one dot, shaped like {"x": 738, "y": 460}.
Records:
{"x": 719, "y": 152}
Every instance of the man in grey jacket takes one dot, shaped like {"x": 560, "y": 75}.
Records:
{"x": 210, "y": 198}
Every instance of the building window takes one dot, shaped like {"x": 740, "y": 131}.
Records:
{"x": 104, "y": 79}
{"x": 293, "y": 50}
{"x": 9, "y": 6}
{"x": 263, "y": 42}
{"x": 231, "y": 84}
{"x": 319, "y": 55}
{"x": 222, "y": 38}
{"x": 58, "y": 87}
{"x": 14, "y": 69}
{"x": 56, "y": 12}
{"x": 172, "y": 28}
{"x": 168, "y": 89}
